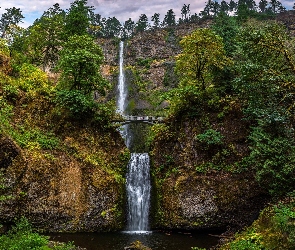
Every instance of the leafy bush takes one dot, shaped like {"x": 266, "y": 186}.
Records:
{"x": 23, "y": 237}
{"x": 32, "y": 79}
{"x": 210, "y": 138}
{"x": 77, "y": 103}
{"x": 5, "y": 114}
{"x": 273, "y": 159}
{"x": 274, "y": 229}
{"x": 25, "y": 137}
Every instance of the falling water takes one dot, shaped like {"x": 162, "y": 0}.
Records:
{"x": 122, "y": 88}
{"x": 138, "y": 190}
{"x": 138, "y": 177}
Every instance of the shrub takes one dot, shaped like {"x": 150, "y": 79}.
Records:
{"x": 273, "y": 159}
{"x": 210, "y": 138}
{"x": 78, "y": 104}
{"x": 23, "y": 237}
{"x": 32, "y": 79}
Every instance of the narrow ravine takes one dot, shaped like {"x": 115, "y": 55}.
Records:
{"x": 138, "y": 185}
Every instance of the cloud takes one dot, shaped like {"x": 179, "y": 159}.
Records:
{"x": 121, "y": 9}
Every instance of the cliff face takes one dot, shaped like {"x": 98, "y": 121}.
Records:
{"x": 192, "y": 188}
{"x": 197, "y": 188}
{"x": 77, "y": 184}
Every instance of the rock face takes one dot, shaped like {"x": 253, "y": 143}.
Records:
{"x": 185, "y": 194}
{"x": 65, "y": 190}
{"x": 8, "y": 151}
{"x": 197, "y": 188}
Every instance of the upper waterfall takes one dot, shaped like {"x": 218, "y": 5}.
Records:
{"x": 122, "y": 89}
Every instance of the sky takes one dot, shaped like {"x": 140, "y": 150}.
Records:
{"x": 121, "y": 9}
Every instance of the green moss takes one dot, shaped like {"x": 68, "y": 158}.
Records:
{"x": 274, "y": 229}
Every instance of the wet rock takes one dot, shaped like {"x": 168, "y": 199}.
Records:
{"x": 137, "y": 245}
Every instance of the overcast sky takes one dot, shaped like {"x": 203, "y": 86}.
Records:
{"x": 121, "y": 9}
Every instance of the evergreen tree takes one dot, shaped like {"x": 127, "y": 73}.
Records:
{"x": 169, "y": 19}
{"x": 128, "y": 28}
{"x": 263, "y": 5}
{"x": 78, "y": 18}
{"x": 112, "y": 27}
{"x": 142, "y": 23}
{"x": 12, "y": 16}
{"x": 185, "y": 12}
{"x": 156, "y": 20}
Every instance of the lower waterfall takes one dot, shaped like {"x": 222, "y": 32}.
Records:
{"x": 138, "y": 192}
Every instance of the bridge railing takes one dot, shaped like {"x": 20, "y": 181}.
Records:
{"x": 147, "y": 119}
{"x": 142, "y": 118}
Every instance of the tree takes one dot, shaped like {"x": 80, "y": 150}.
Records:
{"x": 80, "y": 60}
{"x": 224, "y": 7}
{"x": 96, "y": 25}
{"x": 202, "y": 50}
{"x": 245, "y": 9}
{"x": 276, "y": 6}
{"x": 47, "y": 35}
{"x": 142, "y": 23}
{"x": 226, "y": 27}
{"x": 185, "y": 12}
{"x": 232, "y": 5}
{"x": 215, "y": 8}
{"x": 169, "y": 19}
{"x": 156, "y": 20}
{"x": 12, "y": 16}
{"x": 112, "y": 27}
{"x": 262, "y": 5}
{"x": 265, "y": 82}
{"x": 78, "y": 18}
{"x": 128, "y": 29}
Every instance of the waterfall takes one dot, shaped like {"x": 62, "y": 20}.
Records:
{"x": 138, "y": 185}
{"x": 122, "y": 88}
{"x": 138, "y": 190}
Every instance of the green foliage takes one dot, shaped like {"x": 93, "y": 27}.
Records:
{"x": 274, "y": 229}
{"x": 23, "y": 237}
{"x": 142, "y": 23}
{"x": 202, "y": 50}
{"x": 78, "y": 104}
{"x": 77, "y": 19}
{"x": 33, "y": 80}
{"x": 105, "y": 112}
{"x": 210, "y": 137}
{"x": 26, "y": 137}
{"x": 226, "y": 27}
{"x": 273, "y": 159}
{"x": 265, "y": 83}
{"x": 80, "y": 61}
{"x": 10, "y": 18}
{"x": 145, "y": 62}
{"x": 5, "y": 115}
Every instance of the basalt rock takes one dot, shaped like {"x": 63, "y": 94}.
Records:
{"x": 8, "y": 151}
{"x": 63, "y": 190}
{"x": 197, "y": 188}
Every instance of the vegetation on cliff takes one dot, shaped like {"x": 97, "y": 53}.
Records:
{"x": 225, "y": 82}
{"x": 62, "y": 161}
{"x": 239, "y": 118}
